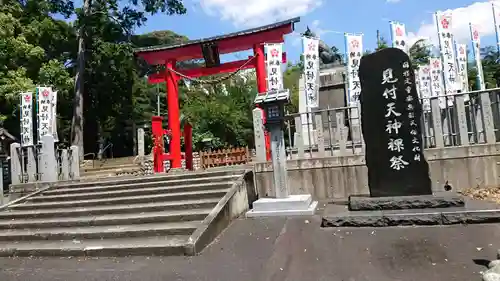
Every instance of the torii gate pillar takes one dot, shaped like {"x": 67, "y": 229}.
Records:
{"x": 174, "y": 123}
{"x": 260, "y": 73}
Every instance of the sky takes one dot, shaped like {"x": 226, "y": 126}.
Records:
{"x": 328, "y": 18}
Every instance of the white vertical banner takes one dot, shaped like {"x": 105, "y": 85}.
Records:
{"x": 54, "y": 115}
{"x": 462, "y": 68}
{"x": 437, "y": 85}
{"x": 444, "y": 27}
{"x": 354, "y": 51}
{"x": 398, "y": 36}
{"x": 476, "y": 51}
{"x": 424, "y": 81}
{"x": 311, "y": 70}
{"x": 496, "y": 21}
{"x": 26, "y": 110}
{"x": 45, "y": 114}
{"x": 417, "y": 83}
{"x": 274, "y": 57}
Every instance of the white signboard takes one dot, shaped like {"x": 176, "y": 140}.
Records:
{"x": 274, "y": 54}
{"x": 311, "y": 71}
{"x": 26, "y": 119}
{"x": 398, "y": 35}
{"x": 476, "y": 50}
{"x": 437, "y": 88}
{"x": 462, "y": 68}
{"x": 424, "y": 81}
{"x": 354, "y": 51}
{"x": 45, "y": 113}
{"x": 444, "y": 22}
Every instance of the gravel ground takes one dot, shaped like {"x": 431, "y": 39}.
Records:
{"x": 483, "y": 193}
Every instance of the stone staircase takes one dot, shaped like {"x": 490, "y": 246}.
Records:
{"x": 112, "y": 167}
{"x": 156, "y": 215}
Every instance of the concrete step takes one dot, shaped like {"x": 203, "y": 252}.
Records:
{"x": 109, "y": 173}
{"x": 60, "y": 212}
{"x": 142, "y": 246}
{"x": 217, "y": 193}
{"x": 143, "y": 185}
{"x": 114, "y": 161}
{"x": 107, "y": 219}
{"x": 101, "y": 232}
{"x": 129, "y": 192}
{"x": 154, "y": 178}
{"x": 111, "y": 167}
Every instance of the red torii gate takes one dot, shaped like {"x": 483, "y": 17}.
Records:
{"x": 208, "y": 49}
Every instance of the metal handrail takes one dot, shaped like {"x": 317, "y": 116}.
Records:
{"x": 93, "y": 157}
{"x": 110, "y": 145}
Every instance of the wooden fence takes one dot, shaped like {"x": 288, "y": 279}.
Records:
{"x": 225, "y": 157}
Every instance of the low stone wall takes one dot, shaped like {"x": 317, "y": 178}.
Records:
{"x": 341, "y": 176}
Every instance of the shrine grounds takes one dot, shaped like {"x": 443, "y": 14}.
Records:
{"x": 292, "y": 249}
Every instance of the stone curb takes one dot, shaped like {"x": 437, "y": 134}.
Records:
{"x": 363, "y": 203}
{"x": 378, "y": 219}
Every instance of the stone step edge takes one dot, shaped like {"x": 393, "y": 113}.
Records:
{"x": 166, "y": 250}
{"x": 101, "y": 232}
{"x": 122, "y": 200}
{"x": 151, "y": 178}
{"x": 120, "y": 193}
{"x": 139, "y": 184}
{"x": 110, "y": 209}
{"x": 104, "y": 168}
{"x": 107, "y": 219}
{"x": 409, "y": 219}
{"x": 130, "y": 250}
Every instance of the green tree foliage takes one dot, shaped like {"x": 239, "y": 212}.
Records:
{"x": 221, "y": 117}
{"x": 33, "y": 50}
{"x": 291, "y": 78}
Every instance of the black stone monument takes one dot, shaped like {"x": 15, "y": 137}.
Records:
{"x": 391, "y": 124}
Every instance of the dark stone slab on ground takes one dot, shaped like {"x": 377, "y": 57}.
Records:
{"x": 366, "y": 203}
{"x": 390, "y": 120}
{"x": 294, "y": 249}
{"x": 474, "y": 212}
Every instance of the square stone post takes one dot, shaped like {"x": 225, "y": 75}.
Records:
{"x": 64, "y": 165}
{"x": 31, "y": 163}
{"x": 140, "y": 143}
{"x": 74, "y": 163}
{"x": 278, "y": 157}
{"x": 15, "y": 163}
{"x": 258, "y": 131}
{"x": 48, "y": 163}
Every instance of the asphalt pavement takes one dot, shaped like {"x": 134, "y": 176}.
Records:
{"x": 295, "y": 249}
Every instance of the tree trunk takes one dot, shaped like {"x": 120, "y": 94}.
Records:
{"x": 77, "y": 121}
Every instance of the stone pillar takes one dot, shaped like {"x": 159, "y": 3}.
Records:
{"x": 278, "y": 157}
{"x": 15, "y": 163}
{"x": 298, "y": 138}
{"x": 140, "y": 143}
{"x": 2, "y": 194}
{"x": 74, "y": 163}
{"x": 489, "y": 127}
{"x": 258, "y": 131}
{"x": 64, "y": 165}
{"x": 48, "y": 163}
{"x": 31, "y": 163}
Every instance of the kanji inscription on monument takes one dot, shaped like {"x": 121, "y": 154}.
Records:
{"x": 390, "y": 118}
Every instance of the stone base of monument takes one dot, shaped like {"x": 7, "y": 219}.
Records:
{"x": 471, "y": 212}
{"x": 293, "y": 205}
{"x": 367, "y": 203}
